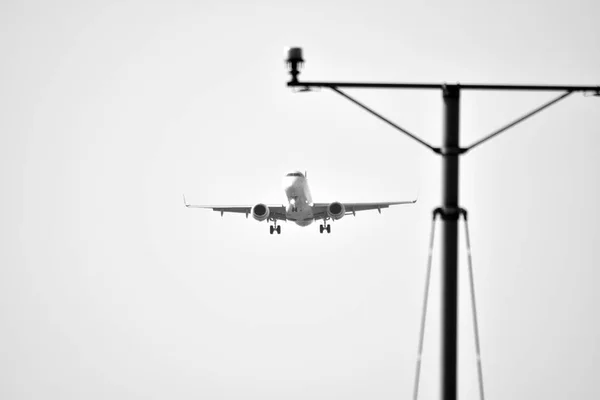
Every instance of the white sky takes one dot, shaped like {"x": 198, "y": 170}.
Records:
{"x": 110, "y": 288}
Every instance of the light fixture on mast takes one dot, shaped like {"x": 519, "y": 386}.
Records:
{"x": 294, "y": 61}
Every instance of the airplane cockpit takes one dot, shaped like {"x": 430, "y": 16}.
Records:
{"x": 296, "y": 174}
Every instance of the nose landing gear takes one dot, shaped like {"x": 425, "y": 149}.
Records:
{"x": 293, "y": 203}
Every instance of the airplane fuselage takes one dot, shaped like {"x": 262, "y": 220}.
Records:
{"x": 299, "y": 208}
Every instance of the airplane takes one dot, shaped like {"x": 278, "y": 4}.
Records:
{"x": 300, "y": 208}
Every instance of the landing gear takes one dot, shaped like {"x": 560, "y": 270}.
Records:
{"x": 325, "y": 227}
{"x": 275, "y": 228}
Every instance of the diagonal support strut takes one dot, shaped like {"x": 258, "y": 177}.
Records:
{"x": 381, "y": 117}
{"x": 517, "y": 121}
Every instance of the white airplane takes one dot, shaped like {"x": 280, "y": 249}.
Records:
{"x": 300, "y": 208}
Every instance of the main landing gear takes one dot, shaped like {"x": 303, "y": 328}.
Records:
{"x": 325, "y": 227}
{"x": 275, "y": 228}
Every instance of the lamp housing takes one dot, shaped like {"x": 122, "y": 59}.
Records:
{"x": 294, "y": 61}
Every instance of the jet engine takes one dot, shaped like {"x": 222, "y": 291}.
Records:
{"x": 260, "y": 212}
{"x": 336, "y": 210}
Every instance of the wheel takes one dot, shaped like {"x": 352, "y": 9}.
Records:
{"x": 328, "y": 228}
{"x": 321, "y": 228}
{"x": 279, "y": 230}
{"x": 271, "y": 229}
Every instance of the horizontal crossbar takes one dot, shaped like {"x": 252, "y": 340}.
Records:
{"x": 441, "y": 86}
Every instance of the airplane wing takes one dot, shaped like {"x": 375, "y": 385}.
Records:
{"x": 275, "y": 211}
{"x": 320, "y": 209}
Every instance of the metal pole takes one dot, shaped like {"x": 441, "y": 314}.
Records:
{"x": 450, "y": 210}
{"x": 450, "y": 162}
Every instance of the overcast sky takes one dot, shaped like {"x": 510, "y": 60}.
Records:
{"x": 110, "y": 288}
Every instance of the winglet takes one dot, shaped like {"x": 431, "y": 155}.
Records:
{"x": 185, "y": 202}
